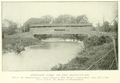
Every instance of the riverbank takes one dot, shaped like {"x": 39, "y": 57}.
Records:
{"x": 94, "y": 49}
{"x": 10, "y": 44}
{"x": 86, "y": 58}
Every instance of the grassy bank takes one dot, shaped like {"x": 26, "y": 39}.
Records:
{"x": 89, "y": 56}
{"x": 17, "y": 44}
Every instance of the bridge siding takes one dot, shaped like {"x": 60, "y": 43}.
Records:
{"x": 68, "y": 30}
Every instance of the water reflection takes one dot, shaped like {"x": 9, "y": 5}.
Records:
{"x": 41, "y": 57}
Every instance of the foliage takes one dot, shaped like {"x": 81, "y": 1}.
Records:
{"x": 43, "y": 20}
{"x": 61, "y": 19}
{"x": 8, "y": 27}
{"x": 96, "y": 41}
{"x": 108, "y": 28}
{"x": 91, "y": 41}
{"x": 42, "y": 36}
{"x": 26, "y": 27}
{"x": 16, "y": 44}
{"x": 105, "y": 26}
{"x": 47, "y": 19}
{"x": 81, "y": 19}
{"x": 114, "y": 27}
{"x": 64, "y": 19}
{"x": 74, "y": 64}
{"x": 80, "y": 37}
{"x": 104, "y": 39}
{"x": 67, "y": 19}
{"x": 93, "y": 29}
{"x": 18, "y": 48}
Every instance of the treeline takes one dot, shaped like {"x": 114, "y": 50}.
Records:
{"x": 106, "y": 27}
{"x": 61, "y": 19}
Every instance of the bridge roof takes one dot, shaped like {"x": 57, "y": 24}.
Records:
{"x": 60, "y": 25}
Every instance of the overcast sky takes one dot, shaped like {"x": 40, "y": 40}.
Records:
{"x": 21, "y": 12}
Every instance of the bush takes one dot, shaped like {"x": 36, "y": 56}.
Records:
{"x": 80, "y": 37}
{"x": 96, "y": 41}
{"x": 17, "y": 44}
{"x": 91, "y": 41}
{"x": 104, "y": 39}
{"x": 18, "y": 48}
{"x": 74, "y": 64}
{"x": 43, "y": 36}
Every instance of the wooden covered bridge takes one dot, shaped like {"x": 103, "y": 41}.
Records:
{"x": 63, "y": 29}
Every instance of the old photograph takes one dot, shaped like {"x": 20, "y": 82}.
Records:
{"x": 59, "y": 35}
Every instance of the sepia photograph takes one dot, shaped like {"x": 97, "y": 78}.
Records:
{"x": 59, "y": 35}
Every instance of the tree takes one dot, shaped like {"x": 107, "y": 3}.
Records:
{"x": 30, "y": 21}
{"x": 64, "y": 19}
{"x": 61, "y": 19}
{"x": 99, "y": 27}
{"x": 47, "y": 19}
{"x": 114, "y": 27}
{"x": 81, "y": 19}
{"x": 106, "y": 26}
{"x": 8, "y": 27}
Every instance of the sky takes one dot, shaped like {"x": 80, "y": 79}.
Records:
{"x": 21, "y": 11}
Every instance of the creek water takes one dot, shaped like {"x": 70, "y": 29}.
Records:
{"x": 41, "y": 57}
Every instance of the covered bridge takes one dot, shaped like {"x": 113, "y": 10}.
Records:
{"x": 60, "y": 28}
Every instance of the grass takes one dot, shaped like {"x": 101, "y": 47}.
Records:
{"x": 17, "y": 44}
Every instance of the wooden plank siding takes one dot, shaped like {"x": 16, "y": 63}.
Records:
{"x": 65, "y": 29}
{"x": 60, "y": 30}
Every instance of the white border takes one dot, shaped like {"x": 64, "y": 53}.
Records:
{"x": 114, "y": 75}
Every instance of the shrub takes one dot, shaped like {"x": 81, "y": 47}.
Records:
{"x": 91, "y": 41}
{"x": 80, "y": 37}
{"x": 16, "y": 44}
{"x": 95, "y": 41}
{"x": 43, "y": 36}
{"x": 74, "y": 64}
{"x": 18, "y": 48}
{"x": 105, "y": 39}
